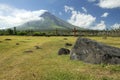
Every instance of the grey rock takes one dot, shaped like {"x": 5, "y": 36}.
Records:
{"x": 68, "y": 44}
{"x": 63, "y": 51}
{"x": 94, "y": 52}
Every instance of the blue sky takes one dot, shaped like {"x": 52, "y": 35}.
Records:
{"x": 93, "y": 14}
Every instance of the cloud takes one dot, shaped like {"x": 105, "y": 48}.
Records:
{"x": 115, "y": 26}
{"x": 84, "y": 9}
{"x": 68, "y": 8}
{"x": 84, "y": 20}
{"x": 99, "y": 26}
{"x": 10, "y": 16}
{"x": 105, "y": 14}
{"x": 109, "y": 4}
{"x": 80, "y": 19}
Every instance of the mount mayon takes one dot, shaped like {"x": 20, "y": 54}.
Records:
{"x": 49, "y": 22}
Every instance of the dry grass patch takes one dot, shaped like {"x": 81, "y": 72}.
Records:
{"x": 45, "y": 64}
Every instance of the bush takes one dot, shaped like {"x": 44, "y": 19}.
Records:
{"x": 22, "y": 33}
{"x": 43, "y": 34}
{"x": 36, "y": 34}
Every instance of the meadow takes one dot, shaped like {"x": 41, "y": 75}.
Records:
{"x": 20, "y": 60}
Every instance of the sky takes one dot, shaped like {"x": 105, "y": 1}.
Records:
{"x": 91, "y": 14}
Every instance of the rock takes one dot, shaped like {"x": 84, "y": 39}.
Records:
{"x": 28, "y": 39}
{"x": 7, "y": 39}
{"x": 28, "y": 51}
{"x": 68, "y": 44}
{"x": 65, "y": 39}
{"x": 23, "y": 41}
{"x": 94, "y": 52}
{"x": 37, "y": 47}
{"x": 63, "y": 51}
{"x": 17, "y": 44}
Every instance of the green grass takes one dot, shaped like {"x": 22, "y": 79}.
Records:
{"x": 45, "y": 64}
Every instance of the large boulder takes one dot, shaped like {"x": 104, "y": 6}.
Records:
{"x": 63, "y": 51}
{"x": 94, "y": 52}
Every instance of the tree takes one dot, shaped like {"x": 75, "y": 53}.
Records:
{"x": 75, "y": 31}
{"x": 10, "y": 31}
{"x": 15, "y": 32}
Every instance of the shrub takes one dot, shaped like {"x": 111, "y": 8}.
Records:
{"x": 36, "y": 34}
{"x": 22, "y": 33}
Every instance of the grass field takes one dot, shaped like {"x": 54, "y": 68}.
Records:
{"x": 45, "y": 64}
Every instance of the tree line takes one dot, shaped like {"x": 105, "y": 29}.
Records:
{"x": 57, "y": 32}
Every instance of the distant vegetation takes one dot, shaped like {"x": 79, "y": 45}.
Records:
{"x": 57, "y": 32}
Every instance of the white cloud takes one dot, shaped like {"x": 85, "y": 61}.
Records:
{"x": 84, "y": 9}
{"x": 84, "y": 20}
{"x": 68, "y": 8}
{"x": 80, "y": 19}
{"x": 115, "y": 26}
{"x": 10, "y": 16}
{"x": 109, "y": 4}
{"x": 99, "y": 26}
{"x": 105, "y": 14}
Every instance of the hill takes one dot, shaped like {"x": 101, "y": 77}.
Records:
{"x": 49, "y": 22}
